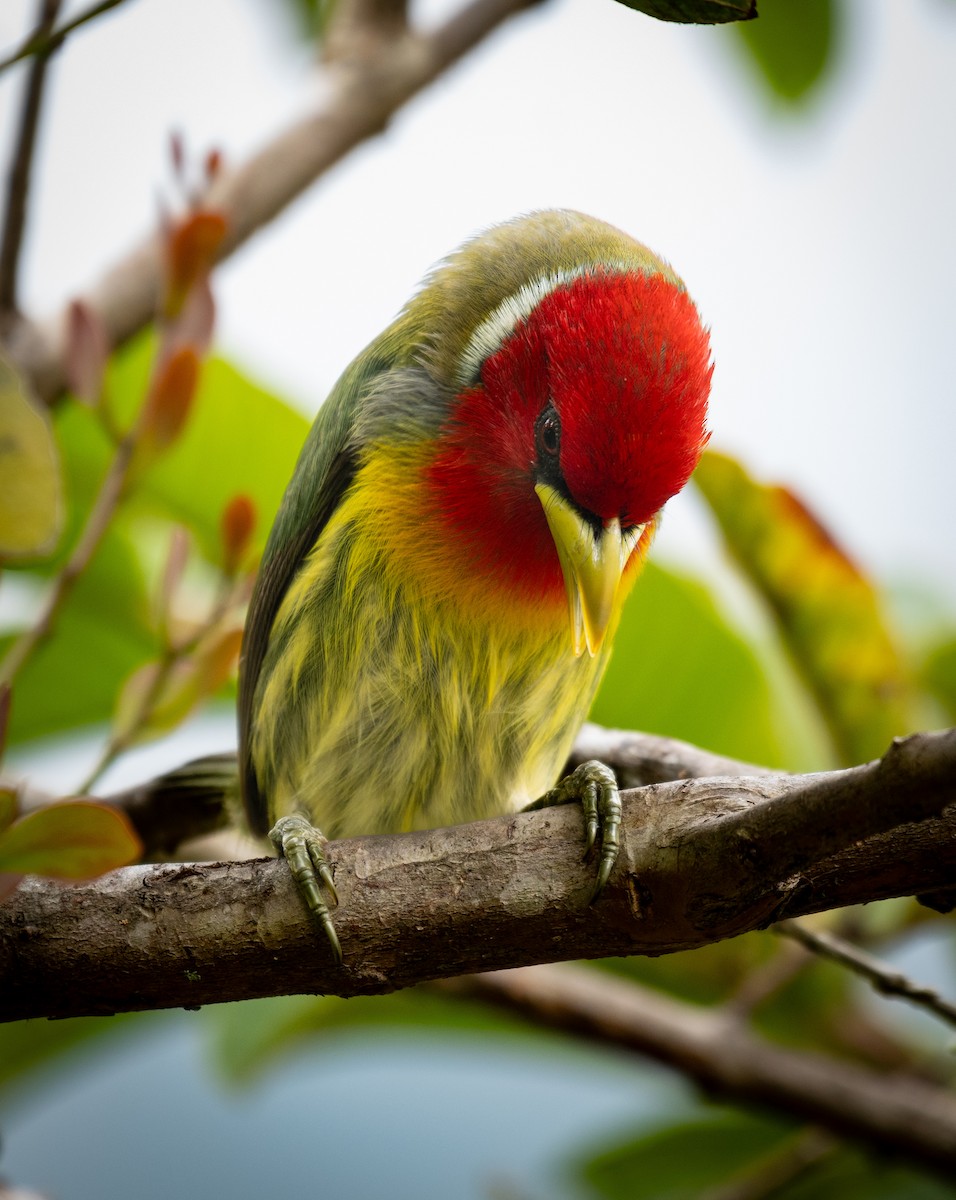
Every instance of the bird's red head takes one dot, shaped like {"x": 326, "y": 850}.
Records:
{"x": 595, "y": 385}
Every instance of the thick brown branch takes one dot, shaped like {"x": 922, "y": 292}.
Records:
{"x": 363, "y": 28}
{"x": 700, "y": 861}
{"x": 888, "y": 1111}
{"x": 362, "y": 96}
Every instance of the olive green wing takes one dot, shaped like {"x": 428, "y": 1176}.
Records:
{"x": 324, "y": 472}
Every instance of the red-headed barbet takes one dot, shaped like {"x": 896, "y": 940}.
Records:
{"x": 438, "y": 596}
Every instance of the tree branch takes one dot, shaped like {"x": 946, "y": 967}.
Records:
{"x": 44, "y": 39}
{"x": 701, "y": 860}
{"x": 642, "y": 758}
{"x": 882, "y": 977}
{"x": 362, "y": 95}
{"x": 18, "y": 179}
{"x": 889, "y": 1111}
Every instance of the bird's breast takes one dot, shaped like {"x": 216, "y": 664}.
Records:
{"x": 397, "y": 701}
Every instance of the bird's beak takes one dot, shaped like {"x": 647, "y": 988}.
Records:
{"x": 592, "y": 564}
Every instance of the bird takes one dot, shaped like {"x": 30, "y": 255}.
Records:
{"x": 438, "y": 596}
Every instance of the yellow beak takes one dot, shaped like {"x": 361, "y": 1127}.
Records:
{"x": 592, "y": 564}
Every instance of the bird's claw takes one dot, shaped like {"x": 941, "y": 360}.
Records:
{"x": 594, "y": 786}
{"x": 303, "y": 848}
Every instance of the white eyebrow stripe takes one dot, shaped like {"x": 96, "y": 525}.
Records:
{"x": 498, "y": 326}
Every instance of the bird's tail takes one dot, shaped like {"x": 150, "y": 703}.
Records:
{"x": 195, "y": 799}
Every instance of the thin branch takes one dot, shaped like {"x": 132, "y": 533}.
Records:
{"x": 884, "y": 978}
{"x": 768, "y": 979}
{"x": 500, "y": 893}
{"x": 173, "y": 654}
{"x": 361, "y": 97}
{"x": 109, "y": 496}
{"x": 44, "y": 40}
{"x": 642, "y": 758}
{"x": 887, "y": 1111}
{"x": 18, "y": 179}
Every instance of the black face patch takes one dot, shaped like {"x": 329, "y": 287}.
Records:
{"x": 547, "y": 444}
{"x": 547, "y": 436}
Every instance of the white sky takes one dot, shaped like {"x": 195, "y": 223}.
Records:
{"x": 821, "y": 249}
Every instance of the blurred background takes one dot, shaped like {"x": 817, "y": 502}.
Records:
{"x": 802, "y": 185}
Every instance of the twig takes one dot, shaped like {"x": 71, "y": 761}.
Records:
{"x": 119, "y": 742}
{"x": 887, "y": 1111}
{"x": 361, "y": 99}
{"x": 110, "y": 494}
{"x": 18, "y": 180}
{"x": 172, "y": 654}
{"x": 43, "y": 41}
{"x": 883, "y": 977}
{"x": 767, "y": 979}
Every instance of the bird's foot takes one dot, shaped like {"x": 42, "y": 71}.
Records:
{"x": 594, "y": 786}
{"x": 303, "y": 847}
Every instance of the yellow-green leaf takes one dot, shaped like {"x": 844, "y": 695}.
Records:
{"x": 217, "y": 455}
{"x": 73, "y": 840}
{"x": 680, "y": 669}
{"x": 939, "y": 674}
{"x": 792, "y": 46}
{"x": 8, "y": 807}
{"x": 829, "y": 613}
{"x": 31, "y": 504}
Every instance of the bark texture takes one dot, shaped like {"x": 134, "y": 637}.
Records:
{"x": 701, "y": 860}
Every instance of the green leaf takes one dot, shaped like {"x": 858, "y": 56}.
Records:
{"x": 696, "y": 12}
{"x": 707, "y": 975}
{"x": 791, "y": 45}
{"x": 252, "y": 1037}
{"x": 5, "y": 694}
{"x": 939, "y": 674}
{"x": 679, "y": 669}
{"x": 239, "y": 439}
{"x": 73, "y": 840}
{"x": 737, "y": 1153}
{"x": 26, "y": 1046}
{"x": 829, "y": 614}
{"x": 309, "y": 17}
{"x": 31, "y": 500}
{"x": 102, "y": 635}
{"x": 850, "y": 1174}
{"x": 8, "y": 807}
{"x": 683, "y": 1161}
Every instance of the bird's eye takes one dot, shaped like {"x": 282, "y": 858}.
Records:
{"x": 548, "y": 433}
